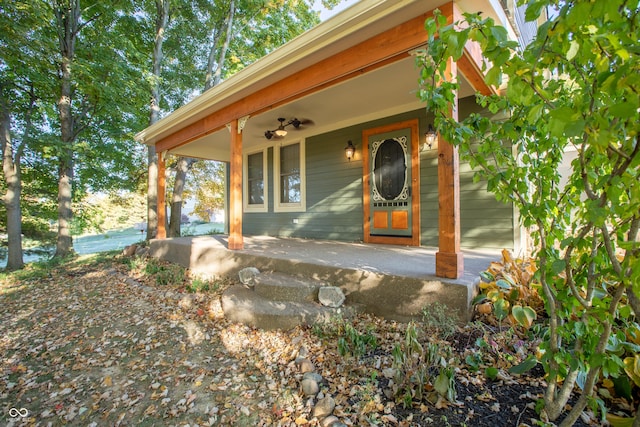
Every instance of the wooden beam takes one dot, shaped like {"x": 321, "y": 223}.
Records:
{"x": 387, "y": 47}
{"x": 235, "y": 189}
{"x": 449, "y": 259}
{"x": 162, "y": 185}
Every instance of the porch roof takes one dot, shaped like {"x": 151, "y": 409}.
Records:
{"x": 380, "y": 86}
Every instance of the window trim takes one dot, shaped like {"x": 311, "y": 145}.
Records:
{"x": 264, "y": 206}
{"x": 278, "y": 206}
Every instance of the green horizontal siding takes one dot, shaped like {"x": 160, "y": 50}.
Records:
{"x": 334, "y": 207}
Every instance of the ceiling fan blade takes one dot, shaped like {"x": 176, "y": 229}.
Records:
{"x": 300, "y": 122}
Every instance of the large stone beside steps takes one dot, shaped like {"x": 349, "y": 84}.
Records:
{"x": 247, "y": 306}
{"x": 284, "y": 287}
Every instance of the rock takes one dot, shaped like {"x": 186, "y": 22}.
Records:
{"x": 388, "y": 393}
{"x": 248, "y": 276}
{"x": 186, "y": 302}
{"x": 313, "y": 376}
{"x": 304, "y": 365}
{"x": 310, "y": 387}
{"x": 389, "y": 372}
{"x": 130, "y": 250}
{"x": 329, "y": 421}
{"x": 142, "y": 252}
{"x": 324, "y": 407}
{"x": 303, "y": 352}
{"x": 331, "y": 296}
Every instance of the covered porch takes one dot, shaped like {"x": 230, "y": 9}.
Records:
{"x": 392, "y": 281}
{"x": 354, "y": 78}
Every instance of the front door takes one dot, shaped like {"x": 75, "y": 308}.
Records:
{"x": 392, "y": 184}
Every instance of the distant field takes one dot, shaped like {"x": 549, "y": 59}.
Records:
{"x": 119, "y": 239}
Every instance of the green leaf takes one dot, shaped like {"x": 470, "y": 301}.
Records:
{"x": 499, "y": 33}
{"x": 617, "y": 421}
{"x": 559, "y": 119}
{"x": 473, "y": 362}
{"x": 535, "y": 113}
{"x": 501, "y": 283}
{"x": 501, "y": 309}
{"x": 624, "y": 54}
{"x": 575, "y": 127}
{"x": 525, "y": 316}
{"x": 478, "y": 299}
{"x": 494, "y": 76}
{"x": 622, "y": 386}
{"x": 528, "y": 364}
{"x": 491, "y": 373}
{"x": 486, "y": 276}
{"x": 533, "y": 10}
{"x": 558, "y": 266}
{"x": 573, "y": 50}
{"x": 441, "y": 384}
{"x": 624, "y": 110}
{"x": 461, "y": 40}
{"x": 632, "y": 368}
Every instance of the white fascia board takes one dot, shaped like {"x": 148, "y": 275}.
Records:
{"x": 331, "y": 31}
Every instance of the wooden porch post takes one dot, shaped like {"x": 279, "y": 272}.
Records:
{"x": 449, "y": 259}
{"x": 235, "y": 188}
{"x": 162, "y": 212}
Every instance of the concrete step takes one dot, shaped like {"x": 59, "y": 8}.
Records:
{"x": 283, "y": 287}
{"x": 244, "y": 305}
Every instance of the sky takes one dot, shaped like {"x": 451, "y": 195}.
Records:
{"x": 326, "y": 14}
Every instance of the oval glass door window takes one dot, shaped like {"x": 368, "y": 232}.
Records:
{"x": 390, "y": 169}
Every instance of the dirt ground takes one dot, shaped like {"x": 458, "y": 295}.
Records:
{"x": 90, "y": 346}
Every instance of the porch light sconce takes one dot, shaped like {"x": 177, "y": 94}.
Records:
{"x": 430, "y": 138}
{"x": 350, "y": 150}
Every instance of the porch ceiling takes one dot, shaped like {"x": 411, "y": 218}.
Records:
{"x": 371, "y": 86}
{"x": 388, "y": 90}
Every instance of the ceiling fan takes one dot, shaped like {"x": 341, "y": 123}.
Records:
{"x": 281, "y": 131}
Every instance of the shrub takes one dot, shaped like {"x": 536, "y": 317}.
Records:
{"x": 356, "y": 344}
{"x": 201, "y": 284}
{"x": 163, "y": 272}
{"x": 572, "y": 89}
{"x": 421, "y": 373}
{"x": 509, "y": 292}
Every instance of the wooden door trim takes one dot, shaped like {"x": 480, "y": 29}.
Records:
{"x": 414, "y": 239}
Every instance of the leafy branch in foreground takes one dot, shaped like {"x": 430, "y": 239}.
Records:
{"x": 571, "y": 94}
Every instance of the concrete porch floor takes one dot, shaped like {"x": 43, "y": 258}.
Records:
{"x": 395, "y": 282}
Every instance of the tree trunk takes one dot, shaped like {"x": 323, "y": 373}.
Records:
{"x": 184, "y": 164}
{"x": 152, "y": 193}
{"x": 11, "y": 171}
{"x": 213, "y": 78}
{"x": 67, "y": 17}
{"x": 227, "y": 41}
{"x": 64, "y": 242}
{"x": 182, "y": 167}
{"x": 162, "y": 18}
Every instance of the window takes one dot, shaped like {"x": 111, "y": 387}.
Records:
{"x": 255, "y": 191}
{"x": 289, "y": 177}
